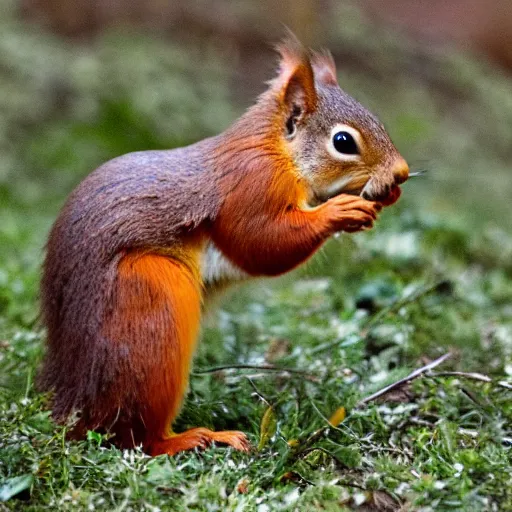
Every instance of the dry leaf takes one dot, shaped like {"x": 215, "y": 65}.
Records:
{"x": 243, "y": 486}
{"x": 379, "y": 501}
{"x": 338, "y": 416}
{"x": 402, "y": 394}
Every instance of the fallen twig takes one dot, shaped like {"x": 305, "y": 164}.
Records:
{"x": 264, "y": 368}
{"x": 259, "y": 394}
{"x": 467, "y": 375}
{"x": 473, "y": 376}
{"x": 414, "y": 375}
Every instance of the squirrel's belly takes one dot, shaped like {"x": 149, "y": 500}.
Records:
{"x": 218, "y": 269}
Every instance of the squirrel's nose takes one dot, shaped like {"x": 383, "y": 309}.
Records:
{"x": 400, "y": 170}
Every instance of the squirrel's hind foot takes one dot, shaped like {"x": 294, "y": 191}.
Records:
{"x": 199, "y": 438}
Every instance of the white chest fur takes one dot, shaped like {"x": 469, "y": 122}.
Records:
{"x": 217, "y": 269}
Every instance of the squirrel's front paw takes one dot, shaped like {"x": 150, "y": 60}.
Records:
{"x": 353, "y": 213}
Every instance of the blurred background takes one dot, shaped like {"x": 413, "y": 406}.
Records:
{"x": 82, "y": 81}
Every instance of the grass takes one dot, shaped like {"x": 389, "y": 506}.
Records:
{"x": 434, "y": 276}
{"x": 352, "y": 327}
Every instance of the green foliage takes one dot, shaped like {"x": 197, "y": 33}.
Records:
{"x": 125, "y": 93}
{"x": 364, "y": 313}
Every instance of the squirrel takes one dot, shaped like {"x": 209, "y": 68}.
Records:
{"x": 143, "y": 240}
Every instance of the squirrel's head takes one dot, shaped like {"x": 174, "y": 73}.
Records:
{"x": 336, "y": 144}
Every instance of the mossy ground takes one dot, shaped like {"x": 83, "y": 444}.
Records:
{"x": 434, "y": 276}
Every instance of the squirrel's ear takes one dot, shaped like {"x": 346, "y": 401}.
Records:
{"x": 296, "y": 79}
{"x": 324, "y": 67}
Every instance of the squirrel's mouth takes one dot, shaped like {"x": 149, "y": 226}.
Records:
{"x": 346, "y": 185}
{"x": 385, "y": 193}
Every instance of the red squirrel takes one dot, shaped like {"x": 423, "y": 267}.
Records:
{"x": 144, "y": 238}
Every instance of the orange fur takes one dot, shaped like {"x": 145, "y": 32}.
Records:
{"x": 154, "y": 323}
{"x": 275, "y": 231}
{"x": 156, "y": 314}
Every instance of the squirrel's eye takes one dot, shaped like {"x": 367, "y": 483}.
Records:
{"x": 344, "y": 143}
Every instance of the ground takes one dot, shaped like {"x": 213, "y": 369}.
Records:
{"x": 433, "y": 277}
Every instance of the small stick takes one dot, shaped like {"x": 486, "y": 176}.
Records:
{"x": 259, "y": 394}
{"x": 414, "y": 375}
{"x": 416, "y": 174}
{"x": 471, "y": 375}
{"x": 467, "y": 375}
{"x": 264, "y": 367}
{"x": 284, "y": 374}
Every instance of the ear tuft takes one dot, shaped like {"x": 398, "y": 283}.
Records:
{"x": 296, "y": 78}
{"x": 292, "y": 53}
{"x": 324, "y": 67}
